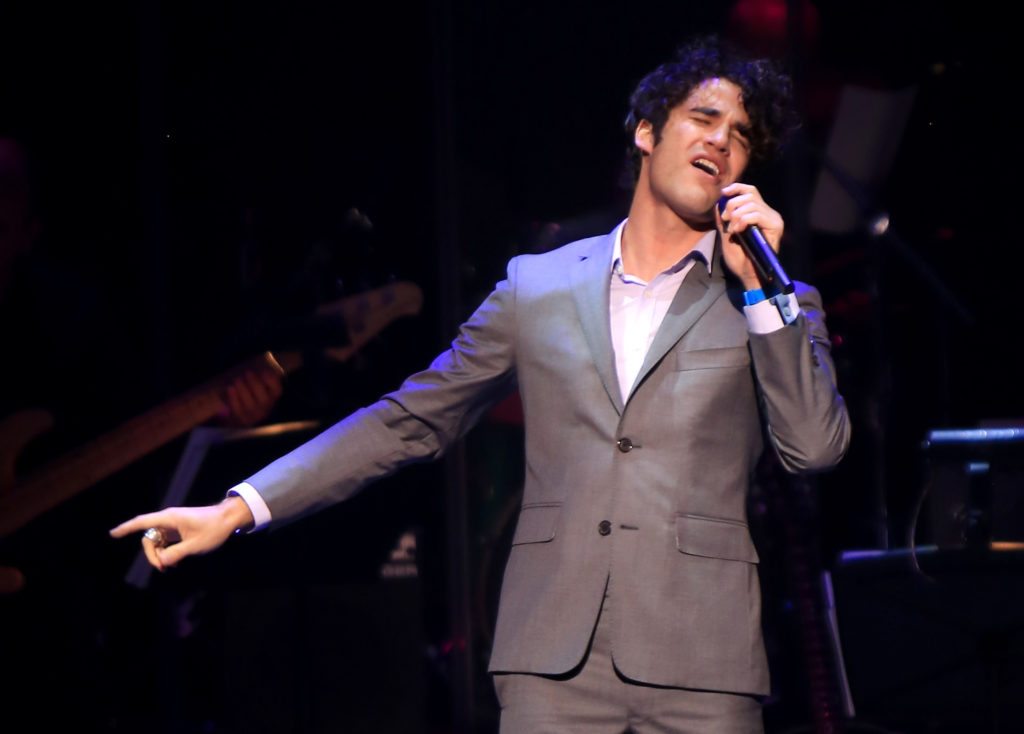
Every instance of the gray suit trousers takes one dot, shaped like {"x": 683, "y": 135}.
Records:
{"x": 596, "y": 698}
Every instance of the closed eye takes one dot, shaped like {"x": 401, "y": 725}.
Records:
{"x": 742, "y": 134}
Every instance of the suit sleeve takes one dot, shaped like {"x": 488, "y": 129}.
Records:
{"x": 807, "y": 421}
{"x": 418, "y": 422}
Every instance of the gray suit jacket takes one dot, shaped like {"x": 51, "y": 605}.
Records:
{"x": 647, "y": 496}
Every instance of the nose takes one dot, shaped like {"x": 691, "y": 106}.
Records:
{"x": 718, "y": 137}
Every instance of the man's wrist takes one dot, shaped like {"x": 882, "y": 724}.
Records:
{"x": 257, "y": 507}
{"x": 753, "y": 295}
{"x": 237, "y": 514}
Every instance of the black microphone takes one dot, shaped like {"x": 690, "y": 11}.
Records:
{"x": 769, "y": 271}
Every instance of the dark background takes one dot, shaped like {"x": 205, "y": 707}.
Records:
{"x": 202, "y": 168}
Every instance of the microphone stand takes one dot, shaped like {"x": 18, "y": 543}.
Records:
{"x": 882, "y": 237}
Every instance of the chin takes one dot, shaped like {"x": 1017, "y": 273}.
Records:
{"x": 706, "y": 201}
{"x": 698, "y": 210}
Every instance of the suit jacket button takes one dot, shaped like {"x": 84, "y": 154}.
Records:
{"x": 625, "y": 445}
{"x": 604, "y": 527}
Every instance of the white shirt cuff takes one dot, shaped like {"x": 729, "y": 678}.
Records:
{"x": 260, "y": 512}
{"x": 764, "y": 317}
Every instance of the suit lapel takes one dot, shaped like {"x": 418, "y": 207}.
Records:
{"x": 590, "y": 278}
{"x": 695, "y": 296}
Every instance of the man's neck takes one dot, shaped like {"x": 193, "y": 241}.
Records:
{"x": 655, "y": 239}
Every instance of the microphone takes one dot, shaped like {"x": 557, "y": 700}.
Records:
{"x": 761, "y": 254}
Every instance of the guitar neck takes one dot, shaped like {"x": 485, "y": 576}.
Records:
{"x": 108, "y": 454}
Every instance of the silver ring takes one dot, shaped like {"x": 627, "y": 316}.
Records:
{"x": 156, "y": 535}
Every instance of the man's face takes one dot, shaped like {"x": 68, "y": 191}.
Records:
{"x": 704, "y": 146}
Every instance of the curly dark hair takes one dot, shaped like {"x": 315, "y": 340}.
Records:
{"x": 767, "y": 94}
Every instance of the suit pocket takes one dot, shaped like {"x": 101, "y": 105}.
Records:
{"x": 714, "y": 538}
{"x": 703, "y": 359}
{"x": 536, "y": 523}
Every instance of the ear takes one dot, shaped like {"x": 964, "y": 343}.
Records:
{"x": 643, "y": 138}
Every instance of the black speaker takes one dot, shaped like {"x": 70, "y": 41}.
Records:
{"x": 934, "y": 642}
{"x": 975, "y": 486}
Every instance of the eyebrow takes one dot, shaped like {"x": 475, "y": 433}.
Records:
{"x": 743, "y": 130}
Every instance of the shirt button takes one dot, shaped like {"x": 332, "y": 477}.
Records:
{"x": 625, "y": 445}
{"x": 604, "y": 527}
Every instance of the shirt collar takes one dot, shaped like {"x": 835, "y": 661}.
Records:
{"x": 704, "y": 249}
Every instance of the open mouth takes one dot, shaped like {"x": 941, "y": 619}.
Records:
{"x": 709, "y": 167}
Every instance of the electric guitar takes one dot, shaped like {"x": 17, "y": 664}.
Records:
{"x": 22, "y": 500}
